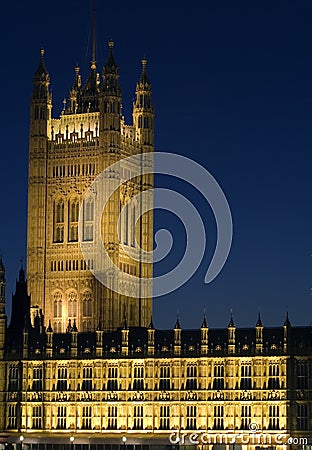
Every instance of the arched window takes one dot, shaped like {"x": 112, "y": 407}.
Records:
{"x": 58, "y": 232}
{"x": 88, "y": 209}
{"x": 57, "y": 305}
{"x": 87, "y": 305}
{"x": 126, "y": 224}
{"x": 132, "y": 227}
{"x": 72, "y": 305}
{"x": 73, "y": 213}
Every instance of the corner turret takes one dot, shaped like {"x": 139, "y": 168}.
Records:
{"x": 143, "y": 111}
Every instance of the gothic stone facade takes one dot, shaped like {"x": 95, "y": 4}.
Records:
{"x": 139, "y": 386}
{"x": 65, "y": 156}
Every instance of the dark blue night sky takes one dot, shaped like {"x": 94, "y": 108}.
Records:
{"x": 232, "y": 89}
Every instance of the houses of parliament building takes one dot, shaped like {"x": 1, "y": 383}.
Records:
{"x": 82, "y": 366}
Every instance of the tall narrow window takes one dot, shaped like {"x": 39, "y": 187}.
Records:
{"x": 273, "y": 417}
{"x": 164, "y": 417}
{"x": 88, "y": 218}
{"x": 138, "y": 378}
{"x": 61, "y": 379}
{"x": 164, "y": 378}
{"x": 273, "y": 382}
{"x": 112, "y": 382}
{"x": 138, "y": 418}
{"x": 245, "y": 382}
{"x": 246, "y": 417}
{"x": 37, "y": 379}
{"x": 302, "y": 375}
{"x": 191, "y": 412}
{"x": 218, "y": 413}
{"x": 87, "y": 379}
{"x": 112, "y": 418}
{"x": 61, "y": 417}
{"x": 57, "y": 305}
{"x": 37, "y": 417}
{"x": 126, "y": 224}
{"x": 191, "y": 377}
{"x": 302, "y": 416}
{"x": 13, "y": 379}
{"x": 72, "y": 305}
{"x": 87, "y": 304}
{"x": 73, "y": 213}
{"x": 218, "y": 376}
{"x": 86, "y": 417}
{"x": 12, "y": 417}
{"x": 58, "y": 231}
{"x": 132, "y": 228}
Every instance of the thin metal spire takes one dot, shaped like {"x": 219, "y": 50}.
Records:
{"x": 93, "y": 61}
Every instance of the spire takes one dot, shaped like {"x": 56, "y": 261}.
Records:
{"x": 259, "y": 321}
{"x": 74, "y": 327}
{"x": 49, "y": 329}
{"x": 110, "y": 63}
{"x": 231, "y": 323}
{"x": 41, "y": 71}
{"x": 93, "y": 60}
{"x": 144, "y": 78}
{"x": 151, "y": 325}
{"x": 287, "y": 321}
{"x": 111, "y": 74}
{"x": 177, "y": 325}
{"x": 21, "y": 275}
{"x": 204, "y": 324}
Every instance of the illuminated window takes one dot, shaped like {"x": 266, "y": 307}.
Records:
{"x": 273, "y": 382}
{"x": 61, "y": 417}
{"x": 57, "y": 326}
{"x": 138, "y": 378}
{"x": 12, "y": 417}
{"x": 191, "y": 377}
{"x": 246, "y": 417}
{"x": 218, "y": 374}
{"x": 37, "y": 417}
{"x": 73, "y": 213}
{"x": 164, "y": 378}
{"x": 273, "y": 417}
{"x": 164, "y": 417}
{"x": 112, "y": 382}
{"x": 72, "y": 305}
{"x": 88, "y": 218}
{"x": 138, "y": 418}
{"x": 57, "y": 305}
{"x": 61, "y": 379}
{"x": 86, "y": 417}
{"x": 245, "y": 382}
{"x": 58, "y": 231}
{"x": 218, "y": 413}
{"x": 191, "y": 412}
{"x": 13, "y": 379}
{"x": 112, "y": 418}
{"x": 87, "y": 305}
{"x": 87, "y": 379}
{"x": 37, "y": 379}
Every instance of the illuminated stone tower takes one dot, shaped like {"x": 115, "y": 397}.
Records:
{"x": 65, "y": 155}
